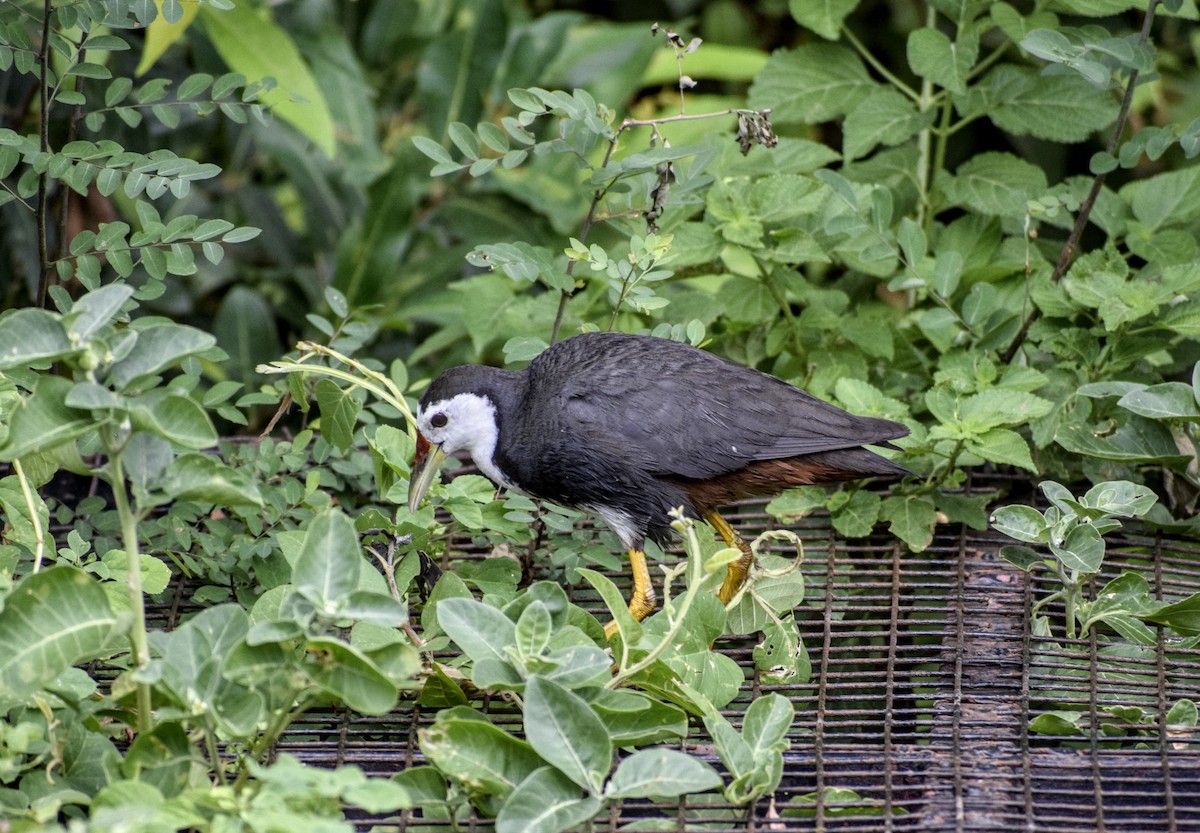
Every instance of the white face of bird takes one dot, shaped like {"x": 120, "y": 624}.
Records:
{"x": 465, "y": 422}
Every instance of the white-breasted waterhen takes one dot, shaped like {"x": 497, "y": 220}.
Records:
{"x": 629, "y": 427}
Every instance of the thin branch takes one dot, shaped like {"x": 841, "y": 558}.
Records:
{"x": 43, "y": 195}
{"x": 1085, "y": 208}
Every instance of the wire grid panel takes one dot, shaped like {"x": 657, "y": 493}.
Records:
{"x": 925, "y": 679}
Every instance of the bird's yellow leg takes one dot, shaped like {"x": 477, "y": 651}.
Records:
{"x": 641, "y": 600}
{"x": 736, "y": 572}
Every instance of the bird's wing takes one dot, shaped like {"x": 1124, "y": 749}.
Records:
{"x": 693, "y": 415}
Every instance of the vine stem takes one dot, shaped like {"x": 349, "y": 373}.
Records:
{"x": 138, "y": 639}
{"x": 1085, "y": 208}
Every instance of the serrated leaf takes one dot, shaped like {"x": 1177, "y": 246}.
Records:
{"x": 994, "y": 183}
{"x": 812, "y": 83}
{"x": 911, "y": 518}
{"x": 932, "y": 55}
{"x": 885, "y": 117}
{"x": 822, "y": 16}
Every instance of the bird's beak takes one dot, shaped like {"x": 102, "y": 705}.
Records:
{"x": 424, "y": 468}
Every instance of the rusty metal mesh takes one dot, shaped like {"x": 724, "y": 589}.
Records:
{"x": 925, "y": 680}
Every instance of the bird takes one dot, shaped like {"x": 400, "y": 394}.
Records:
{"x": 629, "y": 427}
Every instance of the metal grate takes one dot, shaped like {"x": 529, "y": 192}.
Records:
{"x": 925, "y": 678}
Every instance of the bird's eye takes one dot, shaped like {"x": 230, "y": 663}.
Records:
{"x": 439, "y": 420}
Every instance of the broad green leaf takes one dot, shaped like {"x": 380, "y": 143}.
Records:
{"x": 715, "y": 676}
{"x": 932, "y": 55}
{"x": 811, "y": 83}
{"x": 636, "y": 719}
{"x": 822, "y": 16}
{"x": 1182, "y": 616}
{"x": 95, "y": 309}
{"x": 562, "y": 729}
{"x": 1021, "y": 522}
{"x": 348, "y": 674}
{"x": 994, "y": 183}
{"x": 1121, "y": 497}
{"x": 911, "y": 519}
{"x": 1139, "y": 440}
{"x": 1166, "y": 199}
{"x": 329, "y": 561}
{"x": 174, "y": 416}
{"x": 1003, "y": 446}
{"x": 51, "y": 621}
{"x": 1060, "y": 108}
{"x": 205, "y": 479}
{"x": 1170, "y": 400}
{"x": 339, "y": 413}
{"x": 766, "y": 724}
{"x": 29, "y": 336}
{"x": 1082, "y": 550}
{"x": 1023, "y": 558}
{"x": 996, "y": 407}
{"x": 857, "y": 517}
{"x": 43, "y": 420}
{"x": 533, "y": 630}
{"x": 885, "y": 117}
{"x": 1056, "y": 723}
{"x": 163, "y": 757}
{"x": 251, "y": 43}
{"x": 155, "y": 574}
{"x": 481, "y": 756}
{"x": 661, "y": 773}
{"x": 1183, "y": 713}
{"x": 545, "y": 802}
{"x": 480, "y": 630}
{"x": 157, "y": 348}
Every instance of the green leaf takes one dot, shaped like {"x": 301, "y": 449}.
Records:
{"x": 1023, "y": 523}
{"x": 1003, "y": 446}
{"x": 162, "y": 758}
{"x": 1060, "y": 108}
{"x": 636, "y": 719}
{"x": 29, "y": 336}
{"x": 562, "y": 729}
{"x": 330, "y": 560}
{"x": 858, "y": 516}
{"x": 933, "y": 56}
{"x": 174, "y": 416}
{"x": 1170, "y": 400}
{"x": 994, "y": 183}
{"x": 205, "y": 479}
{"x": 339, "y": 413}
{"x": 661, "y": 773}
{"x": 911, "y": 518}
{"x": 95, "y": 309}
{"x": 483, "y": 633}
{"x": 885, "y": 117}
{"x": 766, "y": 723}
{"x": 51, "y": 621}
{"x": 1121, "y": 497}
{"x": 1140, "y": 440}
{"x": 629, "y": 628}
{"x": 348, "y": 674}
{"x": 477, "y": 754}
{"x": 1082, "y": 550}
{"x": 533, "y": 630}
{"x": 545, "y": 802}
{"x": 43, "y": 420}
{"x": 1182, "y": 616}
{"x": 1056, "y": 723}
{"x": 251, "y": 44}
{"x": 822, "y": 16}
{"x": 1023, "y": 558}
{"x": 811, "y": 83}
{"x": 157, "y": 348}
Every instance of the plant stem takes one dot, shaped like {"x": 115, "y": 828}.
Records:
{"x": 43, "y": 195}
{"x": 892, "y": 79}
{"x": 138, "y": 640}
{"x": 1085, "y": 208}
{"x": 39, "y": 535}
{"x": 789, "y": 318}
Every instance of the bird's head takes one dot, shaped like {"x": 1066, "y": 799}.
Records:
{"x": 455, "y": 414}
